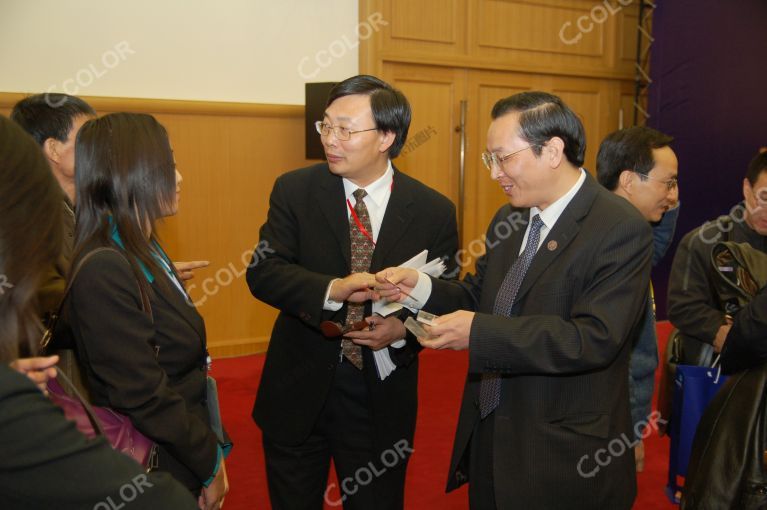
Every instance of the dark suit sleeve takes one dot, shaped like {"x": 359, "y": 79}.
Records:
{"x": 746, "y": 344}
{"x": 275, "y": 275}
{"x": 115, "y": 334}
{"x": 47, "y": 464}
{"x": 601, "y": 317}
{"x": 691, "y": 306}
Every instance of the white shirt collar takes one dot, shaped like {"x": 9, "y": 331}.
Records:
{"x": 378, "y": 190}
{"x": 552, "y": 213}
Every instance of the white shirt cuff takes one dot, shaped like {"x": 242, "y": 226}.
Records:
{"x": 329, "y": 304}
{"x": 421, "y": 292}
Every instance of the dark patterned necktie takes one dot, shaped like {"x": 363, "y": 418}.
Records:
{"x": 362, "y": 251}
{"x": 490, "y": 387}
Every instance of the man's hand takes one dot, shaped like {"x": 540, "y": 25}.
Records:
{"x": 39, "y": 370}
{"x": 451, "y": 331}
{"x": 382, "y": 333}
{"x": 721, "y": 336}
{"x": 392, "y": 282}
{"x": 212, "y": 497}
{"x": 355, "y": 288}
{"x": 185, "y": 270}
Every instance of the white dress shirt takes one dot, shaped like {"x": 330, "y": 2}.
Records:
{"x": 376, "y": 200}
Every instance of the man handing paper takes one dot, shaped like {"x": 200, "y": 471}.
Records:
{"x": 546, "y": 318}
{"x": 328, "y": 228}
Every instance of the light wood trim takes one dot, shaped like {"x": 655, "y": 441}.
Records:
{"x": 173, "y": 106}
{"x": 469, "y": 62}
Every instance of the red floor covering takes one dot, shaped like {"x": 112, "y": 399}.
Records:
{"x": 440, "y": 386}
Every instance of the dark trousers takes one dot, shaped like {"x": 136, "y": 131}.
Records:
{"x": 481, "y": 483}
{"x": 369, "y": 479}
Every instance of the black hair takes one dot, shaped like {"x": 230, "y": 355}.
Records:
{"x": 756, "y": 167}
{"x": 30, "y": 238}
{"x": 49, "y": 115}
{"x": 125, "y": 177}
{"x": 391, "y": 110}
{"x": 543, "y": 116}
{"x": 628, "y": 149}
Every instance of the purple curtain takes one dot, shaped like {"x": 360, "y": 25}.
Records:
{"x": 709, "y": 70}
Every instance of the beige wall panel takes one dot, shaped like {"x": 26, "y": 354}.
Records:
{"x": 535, "y": 26}
{"x": 430, "y": 27}
{"x": 425, "y": 20}
{"x": 431, "y": 153}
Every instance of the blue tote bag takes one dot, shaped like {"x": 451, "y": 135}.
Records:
{"x": 694, "y": 388}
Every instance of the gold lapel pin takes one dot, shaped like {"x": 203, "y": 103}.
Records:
{"x": 551, "y": 245}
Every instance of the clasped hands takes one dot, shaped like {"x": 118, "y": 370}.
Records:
{"x": 450, "y": 331}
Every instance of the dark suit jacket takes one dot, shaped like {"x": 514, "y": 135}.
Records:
{"x": 304, "y": 245}
{"x": 47, "y": 464}
{"x": 154, "y": 371}
{"x": 563, "y": 354}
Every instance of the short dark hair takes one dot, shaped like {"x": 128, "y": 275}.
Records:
{"x": 756, "y": 167}
{"x": 543, "y": 116}
{"x": 30, "y": 237}
{"x": 628, "y": 149}
{"x": 391, "y": 110}
{"x": 49, "y": 115}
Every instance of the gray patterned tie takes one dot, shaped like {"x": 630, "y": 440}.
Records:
{"x": 362, "y": 251}
{"x": 490, "y": 387}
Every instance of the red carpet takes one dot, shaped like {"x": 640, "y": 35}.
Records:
{"x": 441, "y": 384}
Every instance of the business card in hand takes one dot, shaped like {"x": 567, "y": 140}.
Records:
{"x": 426, "y": 317}
{"x": 417, "y": 329}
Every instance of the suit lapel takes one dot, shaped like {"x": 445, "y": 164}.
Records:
{"x": 564, "y": 231}
{"x": 171, "y": 295}
{"x": 331, "y": 200}
{"x": 396, "y": 219}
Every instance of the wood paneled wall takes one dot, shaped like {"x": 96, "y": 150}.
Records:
{"x": 443, "y": 52}
{"x": 229, "y": 155}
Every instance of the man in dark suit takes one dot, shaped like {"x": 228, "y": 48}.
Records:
{"x": 546, "y": 320}
{"x": 328, "y": 227}
{"x": 639, "y": 165}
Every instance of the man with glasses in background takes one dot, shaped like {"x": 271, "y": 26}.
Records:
{"x": 329, "y": 227}
{"x": 693, "y": 306}
{"x": 639, "y": 165}
{"x": 547, "y": 319}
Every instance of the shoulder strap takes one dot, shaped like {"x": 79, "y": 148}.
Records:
{"x": 145, "y": 303}
{"x": 72, "y": 389}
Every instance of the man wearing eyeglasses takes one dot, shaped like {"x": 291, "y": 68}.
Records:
{"x": 693, "y": 306}
{"x": 639, "y": 165}
{"x": 547, "y": 319}
{"x": 329, "y": 227}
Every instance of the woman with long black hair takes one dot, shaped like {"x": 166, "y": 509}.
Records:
{"x": 46, "y": 463}
{"x": 137, "y": 335}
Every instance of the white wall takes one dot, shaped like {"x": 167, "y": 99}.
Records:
{"x": 256, "y": 51}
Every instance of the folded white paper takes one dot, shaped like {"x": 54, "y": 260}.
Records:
{"x": 434, "y": 268}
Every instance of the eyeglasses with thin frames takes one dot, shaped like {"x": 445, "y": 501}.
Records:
{"x": 670, "y": 183}
{"x": 342, "y": 133}
{"x": 491, "y": 159}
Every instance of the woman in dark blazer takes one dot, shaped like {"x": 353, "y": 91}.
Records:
{"x": 46, "y": 463}
{"x": 145, "y": 360}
